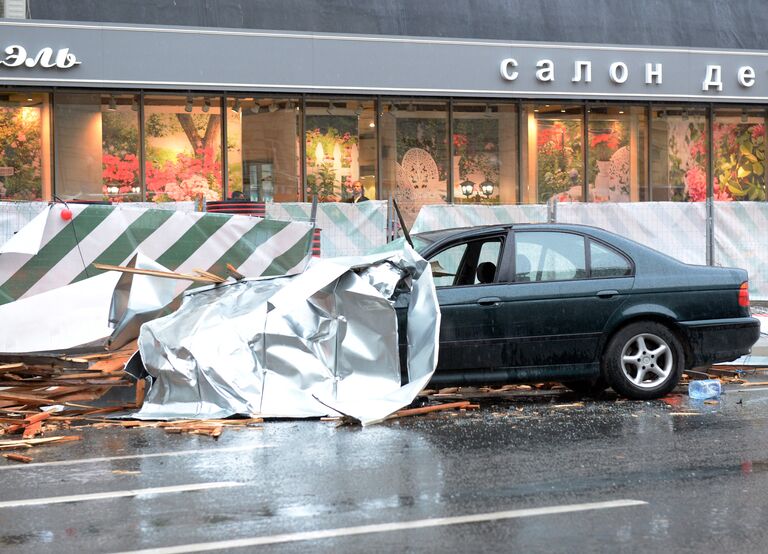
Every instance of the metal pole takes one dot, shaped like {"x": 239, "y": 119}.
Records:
{"x": 302, "y": 151}
{"x": 224, "y": 153}
{"x": 449, "y": 195}
{"x": 710, "y": 189}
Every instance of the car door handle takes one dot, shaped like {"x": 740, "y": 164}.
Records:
{"x": 489, "y": 301}
{"x": 607, "y": 293}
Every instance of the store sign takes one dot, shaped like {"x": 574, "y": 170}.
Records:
{"x": 617, "y": 73}
{"x": 17, "y": 56}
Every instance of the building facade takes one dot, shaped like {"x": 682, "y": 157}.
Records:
{"x": 491, "y": 102}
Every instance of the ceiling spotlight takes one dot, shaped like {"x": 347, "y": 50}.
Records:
{"x": 371, "y": 125}
{"x": 685, "y": 115}
{"x": 411, "y": 107}
{"x": 744, "y": 117}
{"x": 488, "y": 112}
{"x": 562, "y": 110}
{"x": 359, "y": 110}
{"x": 392, "y": 109}
{"x": 621, "y": 112}
{"x": 188, "y": 106}
{"x": 206, "y": 105}
{"x": 256, "y": 108}
{"x": 273, "y": 107}
{"x": 135, "y": 104}
{"x": 289, "y": 105}
{"x": 112, "y": 103}
{"x": 236, "y": 105}
{"x": 30, "y": 99}
{"x": 331, "y": 109}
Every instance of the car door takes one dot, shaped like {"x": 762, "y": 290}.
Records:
{"x": 465, "y": 273}
{"x": 558, "y": 303}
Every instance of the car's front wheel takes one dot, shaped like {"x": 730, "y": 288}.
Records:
{"x": 644, "y": 360}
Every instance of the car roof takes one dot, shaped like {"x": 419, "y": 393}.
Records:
{"x": 435, "y": 236}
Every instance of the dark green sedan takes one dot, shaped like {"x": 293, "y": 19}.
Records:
{"x": 577, "y": 304}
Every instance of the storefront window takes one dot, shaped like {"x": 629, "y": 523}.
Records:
{"x": 616, "y": 153}
{"x": 679, "y": 153}
{"x": 340, "y": 140}
{"x": 414, "y": 137}
{"x": 484, "y": 153}
{"x": 553, "y": 153}
{"x": 25, "y": 169}
{"x": 263, "y": 150}
{"x": 183, "y": 147}
{"x": 738, "y": 140}
{"x": 97, "y": 146}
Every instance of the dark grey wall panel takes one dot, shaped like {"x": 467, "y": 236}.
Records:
{"x": 696, "y": 23}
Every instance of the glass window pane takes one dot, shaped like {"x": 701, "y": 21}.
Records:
{"x": 484, "y": 153}
{"x": 183, "y": 147}
{"x": 341, "y": 149}
{"x": 606, "y": 262}
{"x": 616, "y": 143}
{"x": 25, "y": 168}
{"x": 97, "y": 146}
{"x": 553, "y": 154}
{"x": 445, "y": 265}
{"x": 739, "y": 152}
{"x": 679, "y": 154}
{"x": 414, "y": 138}
{"x": 263, "y": 149}
{"x": 549, "y": 256}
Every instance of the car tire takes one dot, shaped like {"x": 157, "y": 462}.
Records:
{"x": 588, "y": 387}
{"x": 643, "y": 361}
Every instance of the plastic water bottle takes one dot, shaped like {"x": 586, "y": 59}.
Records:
{"x": 706, "y": 388}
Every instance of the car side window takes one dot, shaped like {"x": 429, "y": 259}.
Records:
{"x": 549, "y": 256}
{"x": 606, "y": 262}
{"x": 469, "y": 263}
{"x": 445, "y": 265}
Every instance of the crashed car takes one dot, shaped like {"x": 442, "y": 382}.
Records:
{"x": 579, "y": 305}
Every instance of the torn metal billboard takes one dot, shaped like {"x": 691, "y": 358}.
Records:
{"x": 322, "y": 342}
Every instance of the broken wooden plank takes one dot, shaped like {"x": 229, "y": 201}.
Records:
{"x": 155, "y": 273}
{"x": 429, "y": 409}
{"x": 235, "y": 273}
{"x": 18, "y": 458}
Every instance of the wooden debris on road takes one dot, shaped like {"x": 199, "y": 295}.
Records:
{"x": 464, "y": 405}
{"x": 18, "y": 458}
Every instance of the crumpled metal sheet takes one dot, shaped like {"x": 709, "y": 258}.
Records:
{"x": 322, "y": 342}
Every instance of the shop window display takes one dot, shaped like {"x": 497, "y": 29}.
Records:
{"x": 183, "y": 148}
{"x": 484, "y": 153}
{"x": 616, "y": 142}
{"x": 415, "y": 154}
{"x": 263, "y": 151}
{"x": 340, "y": 142}
{"x": 738, "y": 139}
{"x": 554, "y": 153}
{"x": 24, "y": 150}
{"x": 679, "y": 154}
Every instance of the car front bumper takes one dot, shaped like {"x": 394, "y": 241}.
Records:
{"x": 719, "y": 340}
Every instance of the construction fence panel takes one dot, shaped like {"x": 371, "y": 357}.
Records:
{"x": 741, "y": 240}
{"x": 15, "y": 215}
{"x": 678, "y": 229}
{"x": 444, "y": 216}
{"x": 346, "y": 229}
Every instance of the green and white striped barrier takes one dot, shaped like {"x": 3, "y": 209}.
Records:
{"x": 52, "y": 251}
{"x": 347, "y": 229}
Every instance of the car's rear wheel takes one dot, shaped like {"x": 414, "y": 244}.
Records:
{"x": 588, "y": 387}
{"x": 644, "y": 360}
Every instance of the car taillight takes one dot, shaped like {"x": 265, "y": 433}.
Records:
{"x": 744, "y": 295}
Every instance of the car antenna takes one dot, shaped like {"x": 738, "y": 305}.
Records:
{"x": 403, "y": 226}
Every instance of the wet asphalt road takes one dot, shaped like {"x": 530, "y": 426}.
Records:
{"x": 684, "y": 483}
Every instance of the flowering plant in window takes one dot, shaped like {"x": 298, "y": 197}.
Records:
{"x": 20, "y": 149}
{"x": 185, "y": 178}
{"x": 329, "y": 153}
{"x": 739, "y": 168}
{"x": 559, "y": 157}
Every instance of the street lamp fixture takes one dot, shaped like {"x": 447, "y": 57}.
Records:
{"x": 467, "y": 188}
{"x": 487, "y": 188}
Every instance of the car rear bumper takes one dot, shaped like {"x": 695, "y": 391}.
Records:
{"x": 720, "y": 340}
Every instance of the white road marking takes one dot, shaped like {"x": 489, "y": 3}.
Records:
{"x": 387, "y": 527}
{"x": 133, "y": 457}
{"x": 117, "y": 494}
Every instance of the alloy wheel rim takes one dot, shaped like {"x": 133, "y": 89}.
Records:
{"x": 646, "y": 360}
